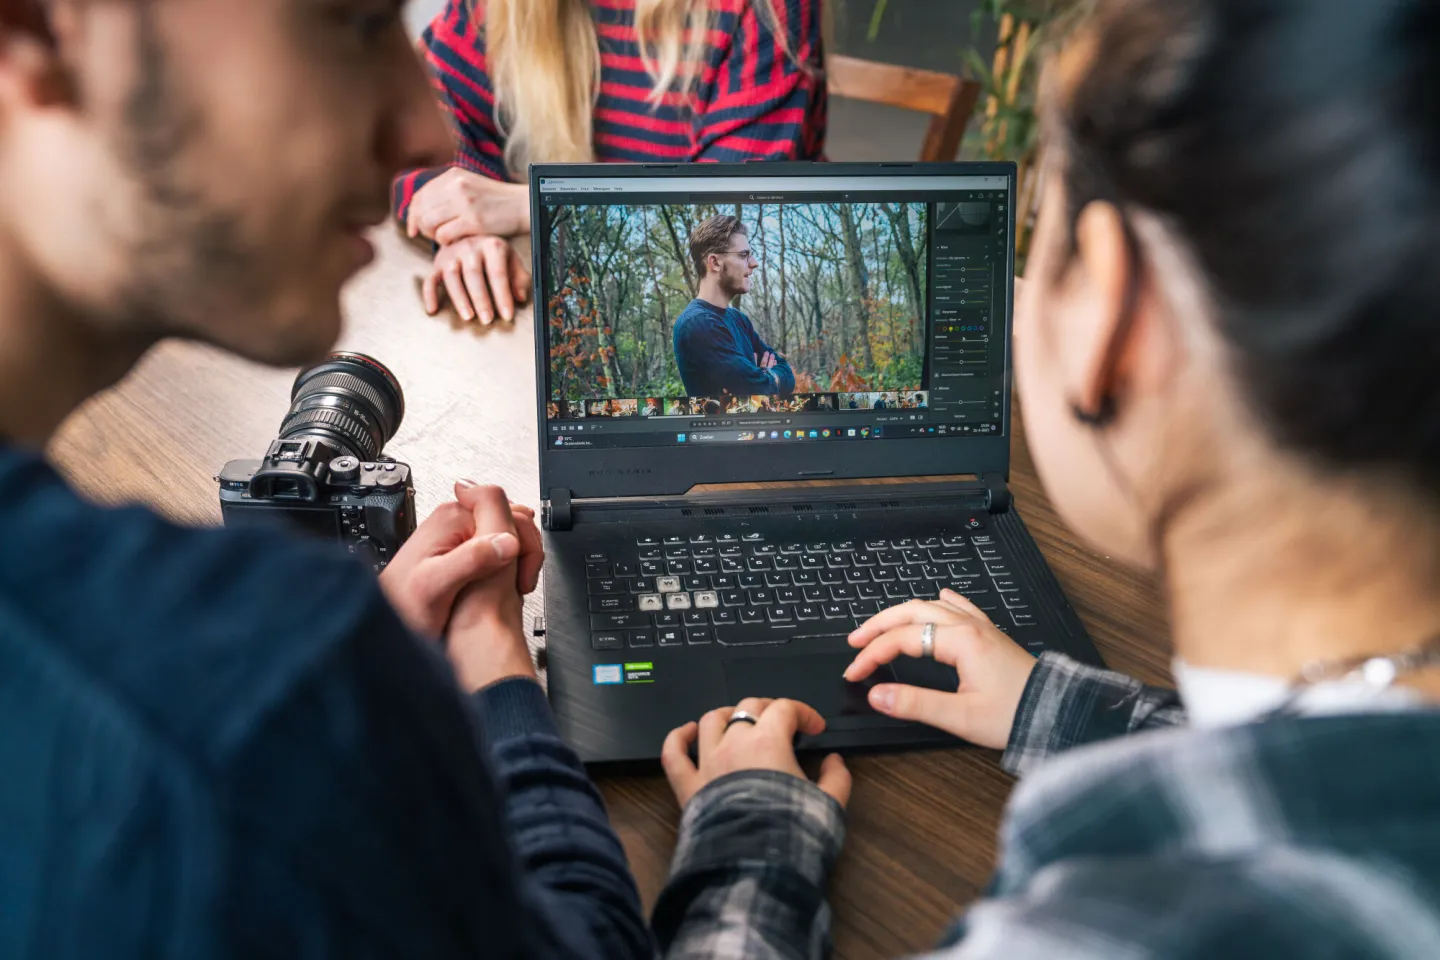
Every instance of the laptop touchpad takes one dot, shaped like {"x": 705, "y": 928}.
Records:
{"x": 814, "y": 679}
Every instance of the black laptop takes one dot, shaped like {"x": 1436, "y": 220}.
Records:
{"x": 854, "y": 325}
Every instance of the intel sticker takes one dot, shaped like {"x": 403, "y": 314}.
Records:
{"x": 609, "y": 673}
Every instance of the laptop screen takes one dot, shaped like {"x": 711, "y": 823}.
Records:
{"x": 766, "y": 309}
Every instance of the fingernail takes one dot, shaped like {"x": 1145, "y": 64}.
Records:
{"x": 505, "y": 545}
{"x": 882, "y": 698}
{"x": 466, "y": 482}
{"x": 846, "y": 674}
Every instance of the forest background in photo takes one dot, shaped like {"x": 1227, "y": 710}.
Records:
{"x": 839, "y": 292}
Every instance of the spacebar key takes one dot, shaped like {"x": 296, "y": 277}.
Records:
{"x": 755, "y": 634}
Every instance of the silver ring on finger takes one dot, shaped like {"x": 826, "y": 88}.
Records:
{"x": 740, "y": 716}
{"x": 927, "y": 641}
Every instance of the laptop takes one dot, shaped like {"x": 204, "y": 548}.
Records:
{"x": 727, "y": 324}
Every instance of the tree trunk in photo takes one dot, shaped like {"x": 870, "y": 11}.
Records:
{"x": 681, "y": 250}
{"x": 912, "y": 258}
{"x": 784, "y": 324}
{"x": 859, "y": 283}
{"x": 762, "y": 254}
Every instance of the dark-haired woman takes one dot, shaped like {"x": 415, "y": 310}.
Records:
{"x": 1226, "y": 357}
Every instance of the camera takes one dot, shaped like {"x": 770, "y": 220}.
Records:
{"x": 325, "y": 474}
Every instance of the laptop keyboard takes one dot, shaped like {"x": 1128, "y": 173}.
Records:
{"x": 741, "y": 589}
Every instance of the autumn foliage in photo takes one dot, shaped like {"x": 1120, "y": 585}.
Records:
{"x": 840, "y": 292}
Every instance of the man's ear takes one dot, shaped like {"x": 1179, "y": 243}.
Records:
{"x": 1102, "y": 332}
{"x": 33, "y": 71}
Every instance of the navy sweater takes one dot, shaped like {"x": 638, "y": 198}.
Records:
{"x": 223, "y": 743}
{"x": 716, "y": 352}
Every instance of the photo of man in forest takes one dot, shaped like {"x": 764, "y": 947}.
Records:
{"x": 717, "y": 349}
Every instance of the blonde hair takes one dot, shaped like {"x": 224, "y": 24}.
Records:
{"x": 544, "y": 63}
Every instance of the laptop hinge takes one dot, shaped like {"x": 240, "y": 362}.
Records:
{"x": 555, "y": 512}
{"x": 997, "y": 493}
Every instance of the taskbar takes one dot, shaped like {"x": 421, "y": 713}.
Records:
{"x": 562, "y": 438}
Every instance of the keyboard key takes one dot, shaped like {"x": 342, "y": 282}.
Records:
{"x": 1013, "y": 601}
{"x": 926, "y": 543}
{"x": 595, "y": 558}
{"x": 778, "y": 578}
{"x": 970, "y": 588}
{"x": 803, "y": 578}
{"x": 998, "y": 569}
{"x": 651, "y": 568}
{"x": 924, "y": 590}
{"x": 651, "y": 553}
{"x": 607, "y": 641}
{"x": 752, "y": 537}
{"x": 679, "y": 567}
{"x": 877, "y": 544}
{"x": 677, "y": 601}
{"x": 724, "y": 616}
{"x": 897, "y": 591}
{"x": 696, "y": 636}
{"x": 835, "y": 611}
{"x": 726, "y": 538}
{"x": 671, "y": 637}
{"x": 964, "y": 571}
{"x": 752, "y": 614}
{"x": 696, "y": 583}
{"x": 677, "y": 553}
{"x": 647, "y": 542}
{"x": 765, "y": 550}
{"x": 642, "y": 638}
{"x": 883, "y": 574}
{"x": 758, "y": 597}
{"x": 731, "y": 551}
{"x": 606, "y": 586}
{"x": 988, "y": 553}
{"x": 731, "y": 565}
{"x": 703, "y": 552}
{"x": 1006, "y": 586}
{"x": 837, "y": 560}
{"x": 642, "y": 585}
{"x": 792, "y": 548}
{"x": 845, "y": 592}
{"x": 702, "y": 538}
{"x": 697, "y": 618}
{"x": 869, "y": 591}
{"x": 857, "y": 575}
{"x": 935, "y": 571}
{"x": 707, "y": 566}
{"x": 672, "y": 541}
{"x": 781, "y": 615}
{"x": 914, "y": 556}
{"x": 667, "y": 584}
{"x": 612, "y": 603}
{"x": 953, "y": 541}
{"x": 812, "y": 561}
{"x": 890, "y": 558}
{"x": 625, "y": 570}
{"x": 597, "y": 570}
{"x": 864, "y": 559}
{"x": 843, "y": 546}
{"x": 751, "y": 580}
{"x": 808, "y": 611}
{"x": 831, "y": 577}
{"x": 910, "y": 571}
{"x": 817, "y": 548}
{"x": 619, "y": 621}
{"x": 667, "y": 619}
{"x": 982, "y": 540}
{"x": 817, "y": 594}
{"x": 787, "y": 563}
{"x": 723, "y": 581}
{"x": 865, "y": 609}
{"x": 906, "y": 544}
{"x": 759, "y": 563}
{"x": 707, "y": 600}
{"x": 741, "y": 635}
{"x": 947, "y": 555}
{"x": 789, "y": 595}
{"x": 650, "y": 602}
{"x": 733, "y": 598}
{"x": 1023, "y": 618}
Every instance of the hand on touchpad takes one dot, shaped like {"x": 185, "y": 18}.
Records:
{"x": 814, "y": 679}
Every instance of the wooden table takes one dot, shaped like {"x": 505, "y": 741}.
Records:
{"x": 922, "y": 824}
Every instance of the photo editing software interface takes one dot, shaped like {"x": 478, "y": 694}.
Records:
{"x": 796, "y": 309}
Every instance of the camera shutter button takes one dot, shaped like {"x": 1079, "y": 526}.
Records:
{"x": 344, "y": 469}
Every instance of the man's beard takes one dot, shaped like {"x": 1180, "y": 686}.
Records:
{"x": 185, "y": 258}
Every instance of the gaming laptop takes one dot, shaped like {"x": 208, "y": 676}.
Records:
{"x": 857, "y": 327}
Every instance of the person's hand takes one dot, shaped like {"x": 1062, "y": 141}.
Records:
{"x": 445, "y": 553}
{"x": 768, "y": 744}
{"x": 483, "y": 277}
{"x": 461, "y": 203}
{"x": 486, "y": 636}
{"x": 766, "y": 360}
{"x": 993, "y": 668}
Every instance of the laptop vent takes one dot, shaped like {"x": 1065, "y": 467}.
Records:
{"x": 802, "y": 508}
{"x": 759, "y": 509}
{"x": 889, "y": 503}
{"x": 846, "y": 506}
{"x": 714, "y": 511}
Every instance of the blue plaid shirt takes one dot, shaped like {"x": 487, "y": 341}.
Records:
{"x": 1295, "y": 836}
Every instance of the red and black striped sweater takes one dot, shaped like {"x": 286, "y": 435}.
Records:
{"x": 752, "y": 101}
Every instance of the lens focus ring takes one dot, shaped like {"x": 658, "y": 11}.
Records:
{"x": 337, "y": 420}
{"x": 328, "y": 382}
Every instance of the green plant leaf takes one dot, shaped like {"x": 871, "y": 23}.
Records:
{"x": 875, "y": 19}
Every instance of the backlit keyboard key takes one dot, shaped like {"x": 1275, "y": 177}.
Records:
{"x": 677, "y": 601}
{"x": 607, "y": 641}
{"x": 696, "y": 636}
{"x": 642, "y": 638}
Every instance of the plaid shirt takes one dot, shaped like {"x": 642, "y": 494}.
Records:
{"x": 1291, "y": 837}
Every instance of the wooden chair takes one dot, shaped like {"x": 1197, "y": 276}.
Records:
{"x": 947, "y": 98}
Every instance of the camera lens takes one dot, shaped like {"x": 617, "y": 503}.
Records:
{"x": 350, "y": 401}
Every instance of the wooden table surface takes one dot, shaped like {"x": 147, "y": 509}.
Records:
{"x": 922, "y": 825}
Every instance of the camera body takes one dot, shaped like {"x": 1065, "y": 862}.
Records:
{"x": 325, "y": 475}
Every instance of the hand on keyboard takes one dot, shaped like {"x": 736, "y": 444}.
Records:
{"x": 993, "y": 668}
{"x": 768, "y": 743}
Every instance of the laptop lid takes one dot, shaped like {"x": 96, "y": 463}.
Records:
{"x": 712, "y": 323}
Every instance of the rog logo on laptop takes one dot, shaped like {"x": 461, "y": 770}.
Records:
{"x": 621, "y": 472}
